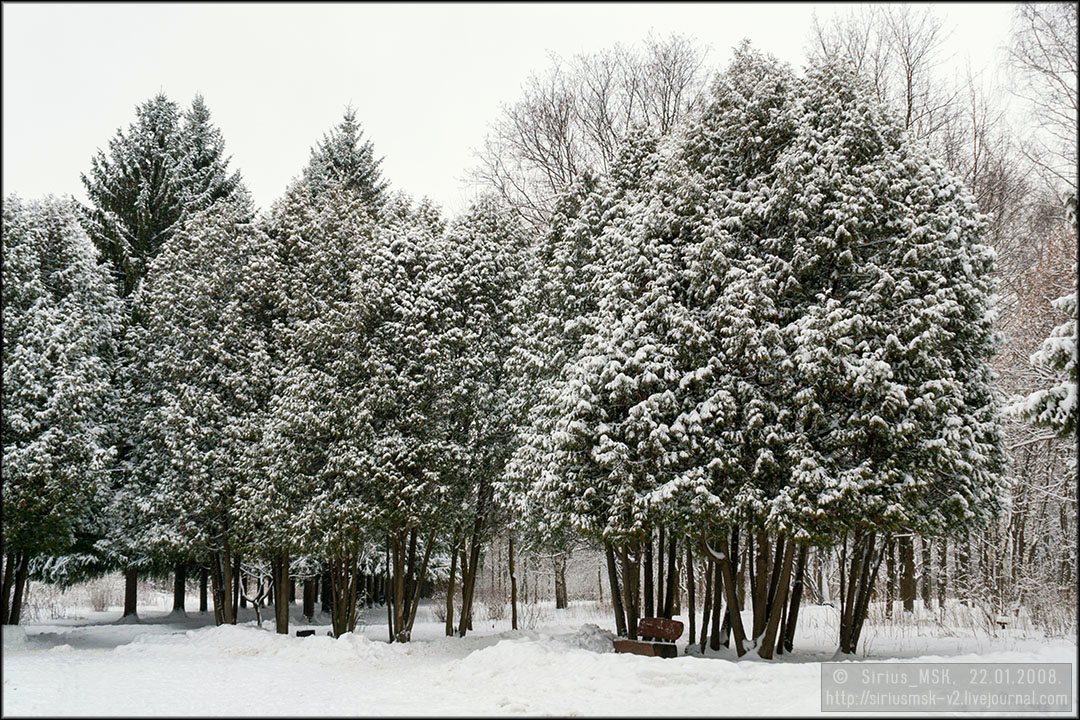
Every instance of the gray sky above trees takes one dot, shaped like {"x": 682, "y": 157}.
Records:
{"x": 426, "y": 80}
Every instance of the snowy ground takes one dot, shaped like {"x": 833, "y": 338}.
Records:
{"x": 162, "y": 665}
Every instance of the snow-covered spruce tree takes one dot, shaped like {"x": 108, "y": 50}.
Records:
{"x": 199, "y": 370}
{"x": 203, "y": 168}
{"x": 344, "y": 158}
{"x": 481, "y": 259}
{"x": 165, "y": 168}
{"x": 136, "y": 198}
{"x": 61, "y": 322}
{"x": 1055, "y": 407}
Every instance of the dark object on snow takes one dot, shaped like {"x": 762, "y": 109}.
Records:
{"x": 304, "y": 633}
{"x": 658, "y": 636}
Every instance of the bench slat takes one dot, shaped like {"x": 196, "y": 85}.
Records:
{"x": 660, "y": 629}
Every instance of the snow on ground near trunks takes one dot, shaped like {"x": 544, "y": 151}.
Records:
{"x": 168, "y": 666}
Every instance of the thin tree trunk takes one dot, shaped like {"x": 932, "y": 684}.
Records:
{"x": 450, "y": 586}
{"x": 690, "y": 590}
{"x": 131, "y": 591}
{"x": 215, "y": 588}
{"x": 631, "y": 596}
{"x": 179, "y": 587}
{"x": 661, "y": 586}
{"x": 236, "y": 588}
{"x": 227, "y": 583}
{"x": 927, "y": 571}
{"x": 419, "y": 586}
{"x": 672, "y": 577}
{"x": 280, "y": 564}
{"x": 648, "y": 589}
{"x": 327, "y": 590}
{"x": 734, "y": 610}
{"x": 718, "y": 591}
{"x": 760, "y": 584}
{"x": 204, "y": 578}
{"x": 9, "y": 582}
{"x": 890, "y": 579}
{"x": 616, "y": 591}
{"x": 796, "y": 599}
{"x": 907, "y": 576}
{"x": 706, "y": 608}
{"x": 386, "y": 593}
{"x": 943, "y": 575}
{"x": 309, "y": 598}
{"x": 513, "y": 587}
{"x": 18, "y": 596}
{"x": 768, "y": 643}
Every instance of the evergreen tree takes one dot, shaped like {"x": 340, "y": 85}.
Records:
{"x": 61, "y": 320}
{"x": 200, "y": 372}
{"x": 203, "y": 168}
{"x": 136, "y": 195}
{"x": 344, "y": 158}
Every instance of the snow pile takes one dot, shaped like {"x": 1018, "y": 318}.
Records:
{"x": 592, "y": 637}
{"x": 250, "y": 640}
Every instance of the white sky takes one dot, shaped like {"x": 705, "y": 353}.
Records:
{"x": 426, "y": 79}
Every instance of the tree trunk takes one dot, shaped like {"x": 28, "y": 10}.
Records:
{"x": 513, "y": 587}
{"x": 718, "y": 590}
{"x": 760, "y": 584}
{"x": 236, "y": 588}
{"x": 215, "y": 588}
{"x": 131, "y": 591}
{"x": 9, "y": 581}
{"x": 386, "y": 592}
{"x": 616, "y": 591}
{"x": 907, "y": 569}
{"x": 706, "y": 608}
{"x": 559, "y": 566}
{"x": 728, "y": 576}
{"x": 309, "y": 598}
{"x": 18, "y": 596}
{"x": 661, "y": 586}
{"x": 690, "y": 590}
{"x": 890, "y": 580}
{"x": 927, "y": 571}
{"x": 631, "y": 591}
{"x": 280, "y": 565}
{"x": 768, "y": 642}
{"x": 450, "y": 586}
{"x": 796, "y": 599}
{"x": 204, "y": 578}
{"x": 943, "y": 575}
{"x": 179, "y": 588}
{"x": 468, "y": 586}
{"x": 648, "y": 589}
{"x": 418, "y": 586}
{"x": 327, "y": 590}
{"x": 672, "y": 577}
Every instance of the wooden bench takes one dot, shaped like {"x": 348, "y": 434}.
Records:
{"x": 657, "y": 638}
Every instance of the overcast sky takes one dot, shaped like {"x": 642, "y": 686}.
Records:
{"x": 426, "y": 80}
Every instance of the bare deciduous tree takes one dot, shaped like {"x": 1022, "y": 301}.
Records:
{"x": 1043, "y": 55}
{"x": 573, "y": 116}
